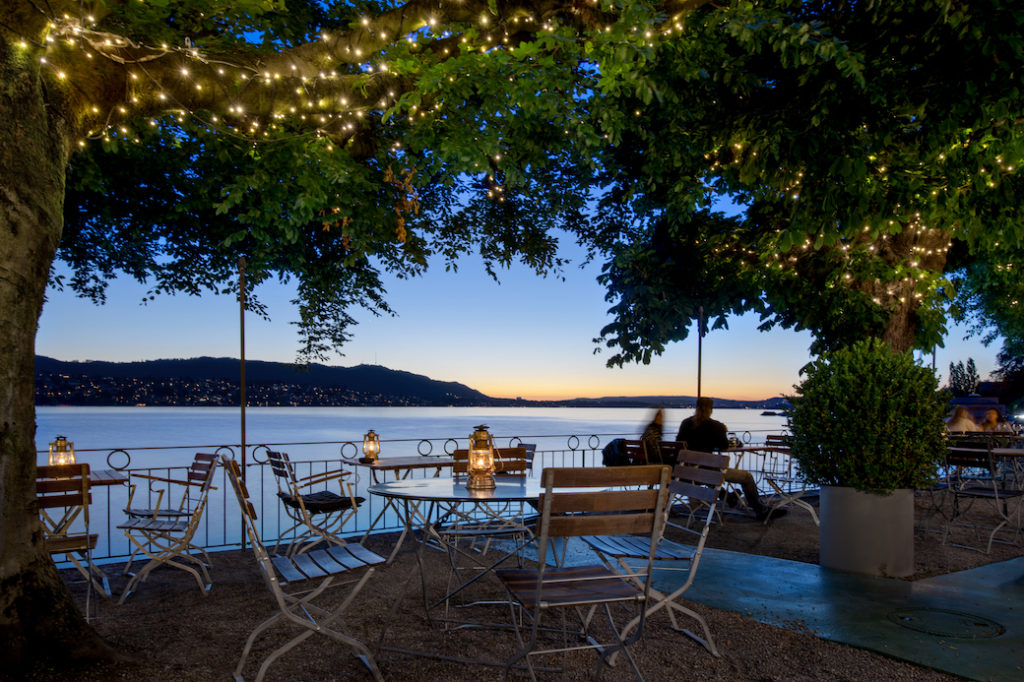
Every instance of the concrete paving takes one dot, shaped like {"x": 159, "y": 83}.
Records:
{"x": 969, "y": 624}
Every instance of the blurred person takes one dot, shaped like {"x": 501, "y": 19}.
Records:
{"x": 961, "y": 421}
{"x": 652, "y": 438}
{"x": 994, "y": 421}
{"x": 704, "y": 434}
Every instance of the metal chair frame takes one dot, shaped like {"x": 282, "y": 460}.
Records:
{"x": 63, "y": 496}
{"x": 298, "y": 607}
{"x": 697, "y": 476}
{"x": 577, "y": 503}
{"x": 164, "y": 534}
{"x": 317, "y": 517}
{"x": 972, "y": 474}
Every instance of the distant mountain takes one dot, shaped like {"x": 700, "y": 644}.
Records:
{"x": 365, "y": 379}
{"x": 215, "y": 381}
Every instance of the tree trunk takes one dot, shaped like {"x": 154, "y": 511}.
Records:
{"x": 39, "y": 621}
{"x": 925, "y": 248}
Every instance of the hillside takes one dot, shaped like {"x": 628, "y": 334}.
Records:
{"x": 367, "y": 384}
{"x": 215, "y": 381}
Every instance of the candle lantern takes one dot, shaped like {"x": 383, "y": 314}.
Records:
{"x": 481, "y": 460}
{"x": 371, "y": 446}
{"x": 62, "y": 451}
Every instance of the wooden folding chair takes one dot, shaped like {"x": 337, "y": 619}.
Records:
{"x": 316, "y": 516}
{"x": 972, "y": 476}
{"x": 298, "y": 607}
{"x": 606, "y": 501}
{"x": 164, "y": 533}
{"x": 696, "y": 478}
{"x": 779, "y": 472}
{"x": 63, "y": 496}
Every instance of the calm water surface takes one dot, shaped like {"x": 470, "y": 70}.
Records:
{"x": 156, "y": 437}
{"x": 401, "y": 428}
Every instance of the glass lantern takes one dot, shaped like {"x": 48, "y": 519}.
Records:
{"x": 371, "y": 446}
{"x": 481, "y": 460}
{"x": 62, "y": 451}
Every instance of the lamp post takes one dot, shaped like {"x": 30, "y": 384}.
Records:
{"x": 62, "y": 451}
{"x": 481, "y": 460}
{"x": 371, "y": 446}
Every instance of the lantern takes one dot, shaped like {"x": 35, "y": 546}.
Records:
{"x": 371, "y": 446}
{"x": 481, "y": 460}
{"x": 62, "y": 451}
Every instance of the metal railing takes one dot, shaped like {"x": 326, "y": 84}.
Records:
{"x": 221, "y": 526}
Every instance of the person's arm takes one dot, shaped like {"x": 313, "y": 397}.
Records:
{"x": 681, "y": 436}
{"x": 721, "y": 436}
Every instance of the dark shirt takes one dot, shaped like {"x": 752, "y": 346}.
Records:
{"x": 708, "y": 436}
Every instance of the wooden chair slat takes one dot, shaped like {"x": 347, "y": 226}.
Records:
{"x": 693, "y": 491}
{"x": 287, "y": 570}
{"x": 62, "y": 470}
{"x": 308, "y": 567}
{"x": 365, "y": 556}
{"x": 611, "y": 500}
{"x": 327, "y": 561}
{"x": 72, "y": 543}
{"x": 607, "y": 477}
{"x": 68, "y": 500}
{"x": 574, "y": 526}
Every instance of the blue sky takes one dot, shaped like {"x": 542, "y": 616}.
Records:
{"x": 538, "y": 345}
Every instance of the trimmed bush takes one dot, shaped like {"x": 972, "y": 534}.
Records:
{"x": 867, "y": 418}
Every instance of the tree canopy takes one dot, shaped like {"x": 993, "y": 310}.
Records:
{"x": 873, "y": 154}
{"x": 323, "y": 141}
{"x": 873, "y": 150}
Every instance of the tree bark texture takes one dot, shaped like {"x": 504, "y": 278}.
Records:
{"x": 38, "y": 618}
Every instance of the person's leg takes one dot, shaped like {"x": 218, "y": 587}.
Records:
{"x": 750, "y": 492}
{"x": 746, "y": 482}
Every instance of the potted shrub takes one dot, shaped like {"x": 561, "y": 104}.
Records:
{"x": 866, "y": 426}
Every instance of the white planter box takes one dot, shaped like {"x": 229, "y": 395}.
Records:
{"x": 867, "y": 533}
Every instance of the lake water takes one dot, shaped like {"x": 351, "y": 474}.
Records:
{"x": 148, "y": 433}
{"x": 163, "y": 437}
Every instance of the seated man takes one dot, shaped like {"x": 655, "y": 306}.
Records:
{"x": 704, "y": 434}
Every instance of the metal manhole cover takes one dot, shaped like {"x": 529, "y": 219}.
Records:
{"x": 945, "y": 623}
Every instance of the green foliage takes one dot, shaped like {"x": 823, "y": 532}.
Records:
{"x": 867, "y": 418}
{"x": 175, "y": 202}
{"x": 858, "y": 141}
{"x": 836, "y": 129}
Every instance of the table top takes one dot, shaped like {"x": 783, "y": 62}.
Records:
{"x": 399, "y": 463}
{"x": 507, "y": 489}
{"x": 107, "y": 477}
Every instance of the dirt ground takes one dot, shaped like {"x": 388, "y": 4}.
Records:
{"x": 169, "y": 631}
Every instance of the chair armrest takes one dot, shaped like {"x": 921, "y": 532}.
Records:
{"x": 315, "y": 479}
{"x": 170, "y": 480}
{"x": 131, "y": 496}
{"x": 149, "y": 477}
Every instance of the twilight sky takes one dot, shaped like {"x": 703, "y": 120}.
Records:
{"x": 538, "y": 345}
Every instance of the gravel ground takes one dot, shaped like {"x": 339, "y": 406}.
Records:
{"x": 169, "y": 631}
